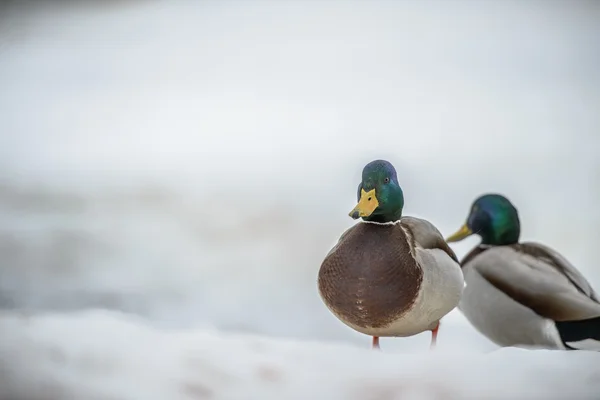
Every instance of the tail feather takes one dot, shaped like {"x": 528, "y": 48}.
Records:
{"x": 580, "y": 335}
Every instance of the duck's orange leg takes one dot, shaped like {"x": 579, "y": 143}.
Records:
{"x": 434, "y": 333}
{"x": 376, "y": 343}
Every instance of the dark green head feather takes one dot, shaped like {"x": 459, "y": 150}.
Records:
{"x": 379, "y": 194}
{"x": 495, "y": 219}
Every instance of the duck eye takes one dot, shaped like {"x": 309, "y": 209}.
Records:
{"x": 386, "y": 180}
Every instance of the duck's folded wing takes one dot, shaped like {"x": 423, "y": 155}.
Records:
{"x": 427, "y": 235}
{"x": 536, "y": 283}
{"x": 562, "y": 266}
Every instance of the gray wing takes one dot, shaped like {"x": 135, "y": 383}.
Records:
{"x": 536, "y": 282}
{"x": 562, "y": 266}
{"x": 427, "y": 235}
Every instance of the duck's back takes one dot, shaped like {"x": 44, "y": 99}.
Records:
{"x": 371, "y": 278}
{"x": 528, "y": 294}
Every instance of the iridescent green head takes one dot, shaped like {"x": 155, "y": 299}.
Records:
{"x": 494, "y": 218}
{"x": 380, "y": 197}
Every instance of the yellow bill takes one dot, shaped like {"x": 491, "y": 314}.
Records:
{"x": 462, "y": 233}
{"x": 366, "y": 205}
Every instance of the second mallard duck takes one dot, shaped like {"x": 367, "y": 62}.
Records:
{"x": 523, "y": 293}
{"x": 389, "y": 275}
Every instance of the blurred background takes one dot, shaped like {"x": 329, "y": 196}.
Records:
{"x": 193, "y": 162}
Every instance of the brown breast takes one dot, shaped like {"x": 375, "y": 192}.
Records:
{"x": 370, "y": 278}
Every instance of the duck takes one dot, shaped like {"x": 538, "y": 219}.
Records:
{"x": 523, "y": 294}
{"x": 389, "y": 275}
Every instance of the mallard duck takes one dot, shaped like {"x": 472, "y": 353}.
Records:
{"x": 523, "y": 293}
{"x": 389, "y": 275}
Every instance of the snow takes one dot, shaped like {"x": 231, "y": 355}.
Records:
{"x": 110, "y": 355}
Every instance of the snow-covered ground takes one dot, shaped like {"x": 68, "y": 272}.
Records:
{"x": 190, "y": 163}
{"x": 102, "y": 355}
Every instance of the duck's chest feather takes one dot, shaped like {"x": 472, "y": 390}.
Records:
{"x": 371, "y": 277}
